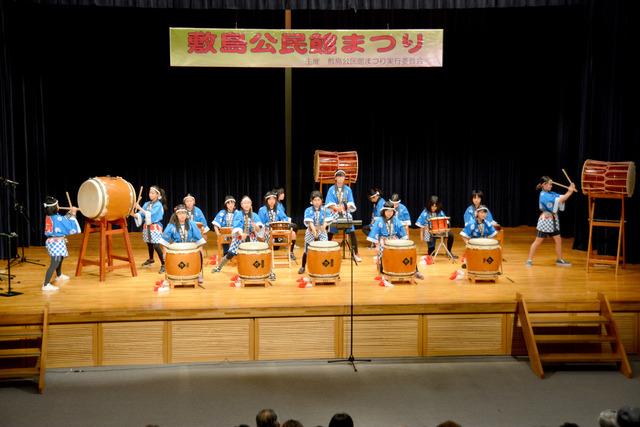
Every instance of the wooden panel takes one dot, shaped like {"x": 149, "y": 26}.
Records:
{"x": 628, "y": 329}
{"x": 295, "y": 338}
{"x": 383, "y": 336}
{"x": 453, "y": 335}
{"x": 71, "y": 345}
{"x": 133, "y": 343}
{"x": 209, "y": 340}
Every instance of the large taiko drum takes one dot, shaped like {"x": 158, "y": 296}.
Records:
{"x": 183, "y": 261}
{"x": 106, "y": 197}
{"x": 326, "y": 163}
{"x": 608, "y": 177}
{"x": 399, "y": 258}
{"x": 439, "y": 224}
{"x": 484, "y": 256}
{"x": 254, "y": 260}
{"x": 324, "y": 260}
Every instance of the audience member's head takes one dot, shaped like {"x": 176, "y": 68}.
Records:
{"x": 267, "y": 418}
{"x": 341, "y": 420}
{"x": 449, "y": 423}
{"x": 628, "y": 417}
{"x": 569, "y": 425}
{"x": 292, "y": 423}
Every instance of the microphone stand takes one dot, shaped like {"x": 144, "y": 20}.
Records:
{"x": 9, "y": 292}
{"x": 350, "y": 359}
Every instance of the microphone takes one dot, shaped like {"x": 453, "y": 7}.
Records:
{"x": 8, "y": 181}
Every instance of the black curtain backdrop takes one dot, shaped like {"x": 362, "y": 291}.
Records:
{"x": 524, "y": 91}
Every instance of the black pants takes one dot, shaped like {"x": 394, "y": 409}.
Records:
{"x": 155, "y": 246}
{"x": 55, "y": 265}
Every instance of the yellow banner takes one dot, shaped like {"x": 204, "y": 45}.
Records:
{"x": 224, "y": 47}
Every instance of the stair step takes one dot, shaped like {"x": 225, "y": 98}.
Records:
{"x": 11, "y": 333}
{"x": 20, "y": 352}
{"x": 579, "y": 338}
{"x": 19, "y": 373}
{"x": 567, "y": 320}
{"x": 580, "y": 357}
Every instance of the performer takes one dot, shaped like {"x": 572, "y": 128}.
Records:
{"x": 340, "y": 201}
{"x": 224, "y": 218}
{"x": 316, "y": 218}
{"x": 195, "y": 214}
{"x": 182, "y": 230}
{"x": 433, "y": 209}
{"x": 388, "y": 227}
{"x": 548, "y": 223}
{"x": 377, "y": 203}
{"x": 270, "y": 213}
{"x": 480, "y": 227}
{"x": 246, "y": 228}
{"x": 56, "y": 228}
{"x": 477, "y": 199}
{"x": 401, "y": 212}
{"x": 151, "y": 213}
{"x": 294, "y": 227}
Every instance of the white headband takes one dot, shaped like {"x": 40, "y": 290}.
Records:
{"x": 48, "y": 205}
{"x": 157, "y": 191}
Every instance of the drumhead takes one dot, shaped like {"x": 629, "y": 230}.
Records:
{"x": 481, "y": 241}
{"x": 182, "y": 247}
{"x": 253, "y": 246}
{"x": 91, "y": 198}
{"x": 631, "y": 179}
{"x": 399, "y": 243}
{"x": 324, "y": 245}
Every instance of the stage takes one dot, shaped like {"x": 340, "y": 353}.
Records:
{"x": 124, "y": 321}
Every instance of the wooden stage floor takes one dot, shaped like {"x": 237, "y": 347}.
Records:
{"x": 100, "y": 323}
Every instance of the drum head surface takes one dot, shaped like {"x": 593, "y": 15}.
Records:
{"x": 325, "y": 244}
{"x": 631, "y": 179}
{"x": 91, "y": 198}
{"x": 399, "y": 243}
{"x": 253, "y": 246}
{"x": 182, "y": 246}
{"x": 483, "y": 242}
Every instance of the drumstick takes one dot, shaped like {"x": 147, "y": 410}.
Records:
{"x": 139, "y": 197}
{"x": 68, "y": 198}
{"x": 568, "y": 179}
{"x": 559, "y": 185}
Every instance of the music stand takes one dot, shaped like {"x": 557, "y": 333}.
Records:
{"x": 9, "y": 292}
{"x": 345, "y": 224}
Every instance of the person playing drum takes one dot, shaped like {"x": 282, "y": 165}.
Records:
{"x": 387, "y": 227}
{"x": 246, "y": 227}
{"x": 477, "y": 199}
{"x": 316, "y": 218}
{"x": 548, "y": 223}
{"x": 151, "y": 214}
{"x": 401, "y": 212}
{"x": 224, "y": 219}
{"x": 480, "y": 227}
{"x": 195, "y": 214}
{"x": 182, "y": 230}
{"x": 269, "y": 213}
{"x": 433, "y": 209}
{"x": 377, "y": 202}
{"x": 279, "y": 192}
{"x": 340, "y": 201}
{"x": 56, "y": 228}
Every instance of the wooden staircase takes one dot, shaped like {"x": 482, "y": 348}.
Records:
{"x": 572, "y": 338}
{"x": 23, "y": 351}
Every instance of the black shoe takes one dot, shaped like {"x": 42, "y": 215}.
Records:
{"x": 162, "y": 270}
{"x": 148, "y": 262}
{"x": 454, "y": 256}
{"x": 292, "y": 256}
{"x": 301, "y": 270}
{"x": 272, "y": 276}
